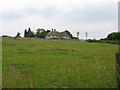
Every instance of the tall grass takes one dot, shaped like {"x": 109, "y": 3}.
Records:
{"x": 53, "y": 64}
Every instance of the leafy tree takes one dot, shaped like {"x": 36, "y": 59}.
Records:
{"x": 25, "y": 33}
{"x": 5, "y": 36}
{"x": 40, "y": 30}
{"x": 30, "y": 33}
{"x": 48, "y": 31}
{"x": 75, "y": 38}
{"x": 114, "y": 36}
{"x": 78, "y": 34}
{"x": 42, "y": 34}
{"x": 18, "y": 34}
{"x": 69, "y": 33}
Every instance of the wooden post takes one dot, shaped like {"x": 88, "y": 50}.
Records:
{"x": 118, "y": 54}
{"x": 118, "y": 68}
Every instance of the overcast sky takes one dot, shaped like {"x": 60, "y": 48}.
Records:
{"x": 97, "y": 17}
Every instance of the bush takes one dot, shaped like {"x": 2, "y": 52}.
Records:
{"x": 104, "y": 41}
{"x": 5, "y": 36}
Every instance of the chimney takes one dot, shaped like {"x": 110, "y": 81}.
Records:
{"x": 52, "y": 30}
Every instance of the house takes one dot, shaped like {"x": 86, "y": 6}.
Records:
{"x": 57, "y": 35}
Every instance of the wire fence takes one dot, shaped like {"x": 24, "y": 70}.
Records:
{"x": 71, "y": 70}
{"x": 93, "y": 67}
{"x": 40, "y": 64}
{"x": 83, "y": 68}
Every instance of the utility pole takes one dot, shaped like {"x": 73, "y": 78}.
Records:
{"x": 118, "y": 53}
{"x": 86, "y": 34}
{"x": 78, "y": 35}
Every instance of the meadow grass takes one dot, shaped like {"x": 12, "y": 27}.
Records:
{"x": 0, "y": 62}
{"x": 58, "y": 64}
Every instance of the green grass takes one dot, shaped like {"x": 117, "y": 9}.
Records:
{"x": 0, "y": 63}
{"x": 58, "y": 64}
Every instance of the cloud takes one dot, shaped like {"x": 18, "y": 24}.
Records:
{"x": 63, "y": 5}
{"x": 10, "y": 16}
{"x": 92, "y": 16}
{"x": 48, "y": 12}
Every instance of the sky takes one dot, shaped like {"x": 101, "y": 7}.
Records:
{"x": 96, "y": 17}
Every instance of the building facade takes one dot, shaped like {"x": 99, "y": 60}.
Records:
{"x": 57, "y": 35}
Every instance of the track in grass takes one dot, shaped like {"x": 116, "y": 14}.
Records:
{"x": 58, "y": 64}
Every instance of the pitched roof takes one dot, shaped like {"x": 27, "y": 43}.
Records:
{"x": 55, "y": 33}
{"x": 64, "y": 34}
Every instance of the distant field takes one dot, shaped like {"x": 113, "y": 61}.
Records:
{"x": 61, "y": 64}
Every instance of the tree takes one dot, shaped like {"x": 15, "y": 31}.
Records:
{"x": 69, "y": 33}
{"x": 48, "y": 31}
{"x": 5, "y": 36}
{"x": 40, "y": 30}
{"x": 30, "y": 33}
{"x": 78, "y": 34}
{"x": 42, "y": 34}
{"x": 25, "y": 33}
{"x": 18, "y": 34}
{"x": 114, "y": 36}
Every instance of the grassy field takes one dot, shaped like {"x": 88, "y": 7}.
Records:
{"x": 0, "y": 63}
{"x": 61, "y": 64}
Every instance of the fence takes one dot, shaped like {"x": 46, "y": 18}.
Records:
{"x": 39, "y": 64}
{"x": 26, "y": 73}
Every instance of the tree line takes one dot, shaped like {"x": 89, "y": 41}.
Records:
{"x": 112, "y": 38}
{"x": 40, "y": 33}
